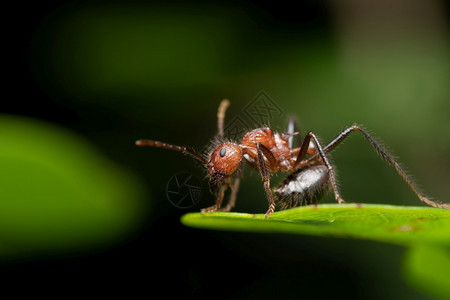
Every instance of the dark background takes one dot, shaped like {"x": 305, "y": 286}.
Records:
{"x": 384, "y": 65}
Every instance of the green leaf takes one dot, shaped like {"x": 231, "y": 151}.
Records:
{"x": 428, "y": 268}
{"x": 58, "y": 193}
{"x": 393, "y": 224}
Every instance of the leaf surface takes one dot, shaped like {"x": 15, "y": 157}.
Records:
{"x": 394, "y": 224}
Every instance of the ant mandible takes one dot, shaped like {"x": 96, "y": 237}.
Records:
{"x": 269, "y": 152}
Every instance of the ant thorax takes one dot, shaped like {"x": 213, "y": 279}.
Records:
{"x": 276, "y": 143}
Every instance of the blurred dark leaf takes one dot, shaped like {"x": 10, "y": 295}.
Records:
{"x": 428, "y": 268}
{"x": 58, "y": 193}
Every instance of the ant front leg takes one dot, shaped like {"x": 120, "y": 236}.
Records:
{"x": 265, "y": 174}
{"x": 219, "y": 200}
{"x": 234, "y": 189}
{"x": 303, "y": 150}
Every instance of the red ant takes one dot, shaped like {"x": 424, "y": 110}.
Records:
{"x": 270, "y": 152}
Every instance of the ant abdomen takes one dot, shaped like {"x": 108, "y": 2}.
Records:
{"x": 307, "y": 185}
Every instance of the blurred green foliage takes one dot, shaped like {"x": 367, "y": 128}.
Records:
{"x": 58, "y": 195}
{"x": 131, "y": 70}
{"x": 428, "y": 268}
{"x": 162, "y": 67}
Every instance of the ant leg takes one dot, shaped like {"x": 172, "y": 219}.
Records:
{"x": 385, "y": 155}
{"x": 234, "y": 190}
{"x": 221, "y": 116}
{"x": 219, "y": 200}
{"x": 265, "y": 176}
{"x": 321, "y": 153}
{"x": 292, "y": 130}
{"x": 302, "y": 151}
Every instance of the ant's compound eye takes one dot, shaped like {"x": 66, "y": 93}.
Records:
{"x": 222, "y": 152}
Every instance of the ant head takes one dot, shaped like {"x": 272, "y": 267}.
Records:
{"x": 224, "y": 160}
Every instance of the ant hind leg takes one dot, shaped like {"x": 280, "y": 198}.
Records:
{"x": 385, "y": 155}
{"x": 321, "y": 152}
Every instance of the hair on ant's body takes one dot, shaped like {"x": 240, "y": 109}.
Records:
{"x": 269, "y": 152}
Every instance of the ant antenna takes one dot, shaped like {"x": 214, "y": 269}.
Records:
{"x": 151, "y": 143}
{"x": 221, "y": 116}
